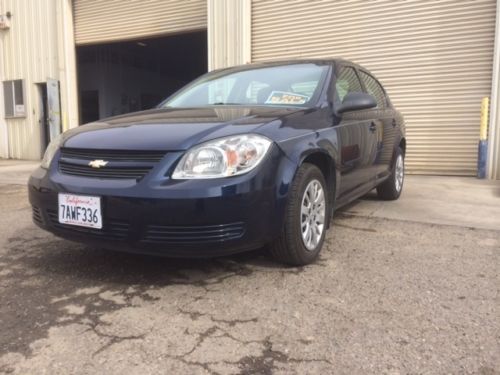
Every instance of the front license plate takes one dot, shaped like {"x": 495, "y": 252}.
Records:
{"x": 80, "y": 210}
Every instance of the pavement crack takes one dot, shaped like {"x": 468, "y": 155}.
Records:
{"x": 266, "y": 362}
{"x": 194, "y": 315}
{"x": 112, "y": 339}
{"x": 233, "y": 322}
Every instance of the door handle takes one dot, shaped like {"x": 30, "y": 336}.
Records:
{"x": 373, "y": 127}
{"x": 393, "y": 122}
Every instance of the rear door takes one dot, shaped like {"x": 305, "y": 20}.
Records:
{"x": 356, "y": 140}
{"x": 382, "y": 124}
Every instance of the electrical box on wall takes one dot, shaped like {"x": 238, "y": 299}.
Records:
{"x": 4, "y": 22}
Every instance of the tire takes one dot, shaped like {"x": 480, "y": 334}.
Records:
{"x": 391, "y": 188}
{"x": 291, "y": 247}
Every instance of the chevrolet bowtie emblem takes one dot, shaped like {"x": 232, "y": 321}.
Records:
{"x": 97, "y": 163}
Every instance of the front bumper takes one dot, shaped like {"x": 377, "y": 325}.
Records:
{"x": 178, "y": 218}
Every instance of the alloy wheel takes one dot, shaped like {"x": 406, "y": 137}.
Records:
{"x": 399, "y": 173}
{"x": 313, "y": 211}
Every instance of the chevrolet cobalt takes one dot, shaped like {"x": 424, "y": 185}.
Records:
{"x": 241, "y": 158}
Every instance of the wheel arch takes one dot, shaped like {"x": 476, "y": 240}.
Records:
{"x": 326, "y": 164}
{"x": 402, "y": 144}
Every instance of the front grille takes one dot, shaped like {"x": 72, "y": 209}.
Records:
{"x": 112, "y": 155}
{"x": 120, "y": 164}
{"x": 108, "y": 172}
{"x": 193, "y": 234}
{"x": 37, "y": 215}
{"x": 112, "y": 230}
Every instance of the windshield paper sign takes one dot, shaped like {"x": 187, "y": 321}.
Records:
{"x": 283, "y": 97}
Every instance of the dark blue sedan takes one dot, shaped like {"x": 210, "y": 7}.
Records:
{"x": 245, "y": 157}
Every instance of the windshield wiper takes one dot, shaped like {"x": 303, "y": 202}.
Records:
{"x": 221, "y": 103}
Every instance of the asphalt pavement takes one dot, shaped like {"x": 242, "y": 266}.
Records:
{"x": 389, "y": 295}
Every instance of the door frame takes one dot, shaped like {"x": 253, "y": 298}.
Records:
{"x": 42, "y": 116}
{"x": 4, "y": 131}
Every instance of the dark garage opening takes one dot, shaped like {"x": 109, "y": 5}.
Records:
{"x": 130, "y": 76}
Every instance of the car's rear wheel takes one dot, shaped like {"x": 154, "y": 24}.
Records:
{"x": 391, "y": 188}
{"x": 305, "y": 219}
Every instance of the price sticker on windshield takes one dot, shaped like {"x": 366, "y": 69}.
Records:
{"x": 283, "y": 97}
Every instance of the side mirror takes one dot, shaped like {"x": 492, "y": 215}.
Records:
{"x": 354, "y": 101}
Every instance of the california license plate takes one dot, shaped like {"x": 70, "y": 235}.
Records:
{"x": 80, "y": 210}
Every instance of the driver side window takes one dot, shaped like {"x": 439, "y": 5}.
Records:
{"x": 347, "y": 81}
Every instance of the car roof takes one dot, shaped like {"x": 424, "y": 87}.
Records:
{"x": 318, "y": 61}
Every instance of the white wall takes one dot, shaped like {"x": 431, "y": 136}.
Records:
{"x": 30, "y": 53}
{"x": 38, "y": 45}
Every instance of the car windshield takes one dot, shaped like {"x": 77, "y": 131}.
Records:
{"x": 284, "y": 85}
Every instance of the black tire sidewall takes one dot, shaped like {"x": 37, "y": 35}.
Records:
{"x": 387, "y": 189}
{"x": 305, "y": 175}
{"x": 399, "y": 153}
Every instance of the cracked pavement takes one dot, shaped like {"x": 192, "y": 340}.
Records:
{"x": 386, "y": 296}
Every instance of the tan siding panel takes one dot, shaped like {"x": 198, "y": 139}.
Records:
{"x": 433, "y": 57}
{"x": 31, "y": 54}
{"x": 98, "y": 21}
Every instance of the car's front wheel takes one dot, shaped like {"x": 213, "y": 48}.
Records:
{"x": 391, "y": 188}
{"x": 305, "y": 219}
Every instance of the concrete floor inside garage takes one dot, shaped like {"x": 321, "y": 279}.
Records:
{"x": 401, "y": 287}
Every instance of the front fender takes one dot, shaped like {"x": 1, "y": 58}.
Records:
{"x": 323, "y": 142}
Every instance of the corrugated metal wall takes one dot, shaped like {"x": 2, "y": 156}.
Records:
{"x": 229, "y": 25}
{"x": 433, "y": 57}
{"x": 98, "y": 21}
{"x": 30, "y": 47}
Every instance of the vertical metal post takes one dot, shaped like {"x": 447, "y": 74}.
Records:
{"x": 482, "y": 152}
{"x": 493, "y": 164}
{"x": 67, "y": 64}
{"x": 229, "y": 33}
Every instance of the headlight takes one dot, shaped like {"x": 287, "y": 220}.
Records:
{"x": 223, "y": 157}
{"x": 51, "y": 151}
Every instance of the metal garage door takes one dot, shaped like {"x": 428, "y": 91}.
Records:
{"x": 112, "y": 20}
{"x": 433, "y": 57}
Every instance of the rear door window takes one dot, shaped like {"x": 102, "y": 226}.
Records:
{"x": 374, "y": 89}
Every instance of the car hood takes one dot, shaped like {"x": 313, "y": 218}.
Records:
{"x": 173, "y": 129}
